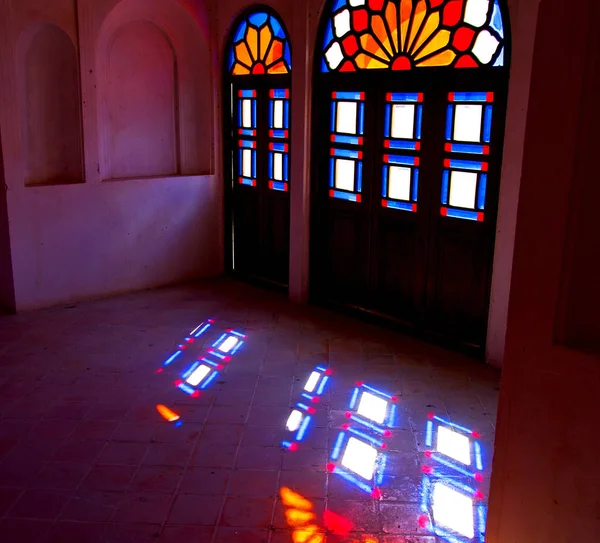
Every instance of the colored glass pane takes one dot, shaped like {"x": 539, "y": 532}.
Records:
{"x": 404, "y": 34}
{"x": 399, "y": 182}
{"x": 344, "y": 174}
{"x": 463, "y": 186}
{"x": 260, "y": 46}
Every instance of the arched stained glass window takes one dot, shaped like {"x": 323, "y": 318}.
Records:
{"x": 406, "y": 34}
{"x": 257, "y": 71}
{"x": 259, "y": 46}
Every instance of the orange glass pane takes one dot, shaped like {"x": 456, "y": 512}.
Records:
{"x": 391, "y": 16}
{"x": 378, "y": 28}
{"x": 238, "y": 69}
{"x": 265, "y": 41}
{"x": 418, "y": 18}
{"x": 242, "y": 55}
{"x": 275, "y": 52}
{"x": 279, "y": 68}
{"x": 372, "y": 47}
{"x": 444, "y": 58}
{"x": 439, "y": 41}
{"x": 406, "y": 8}
{"x": 364, "y": 61}
{"x": 253, "y": 42}
{"x": 431, "y": 25}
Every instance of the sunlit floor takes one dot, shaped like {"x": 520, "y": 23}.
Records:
{"x": 219, "y": 412}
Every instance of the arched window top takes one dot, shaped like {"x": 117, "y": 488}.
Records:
{"x": 259, "y": 46}
{"x": 407, "y": 34}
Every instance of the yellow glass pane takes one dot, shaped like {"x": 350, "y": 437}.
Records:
{"x": 391, "y": 16}
{"x": 265, "y": 41}
{"x": 418, "y": 18}
{"x": 406, "y": 7}
{"x": 242, "y": 55}
{"x": 366, "y": 62}
{"x": 371, "y": 46}
{"x": 253, "y": 42}
{"x": 431, "y": 25}
{"x": 275, "y": 52}
{"x": 444, "y": 58}
{"x": 238, "y": 69}
{"x": 378, "y": 28}
{"x": 279, "y": 68}
{"x": 439, "y": 41}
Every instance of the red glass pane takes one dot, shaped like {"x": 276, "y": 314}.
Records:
{"x": 452, "y": 12}
{"x": 350, "y": 45}
{"x": 360, "y": 20}
{"x": 466, "y": 61}
{"x": 463, "y": 38}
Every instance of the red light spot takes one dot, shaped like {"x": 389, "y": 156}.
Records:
{"x": 430, "y": 415}
{"x": 220, "y": 367}
{"x": 294, "y": 447}
{"x": 479, "y": 495}
{"x": 179, "y": 382}
{"x": 189, "y": 339}
{"x": 387, "y": 433}
{"x": 312, "y": 410}
{"x": 348, "y": 415}
{"x": 328, "y": 372}
{"x": 423, "y": 521}
{"x": 427, "y": 470}
{"x": 376, "y": 494}
{"x": 211, "y": 321}
{"x": 337, "y": 524}
{"x": 330, "y": 467}
{"x": 210, "y": 351}
{"x": 478, "y": 477}
{"x": 195, "y": 394}
{"x": 182, "y": 347}
{"x": 227, "y": 359}
{"x": 159, "y": 370}
{"x": 475, "y": 434}
{"x": 384, "y": 445}
{"x": 394, "y": 399}
{"x": 316, "y": 399}
{"x": 345, "y": 426}
{"x": 428, "y": 454}
{"x": 359, "y": 383}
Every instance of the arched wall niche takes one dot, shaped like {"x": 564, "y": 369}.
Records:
{"x": 51, "y": 127}
{"x": 167, "y": 127}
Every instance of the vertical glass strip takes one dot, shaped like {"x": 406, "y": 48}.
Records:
{"x": 487, "y": 124}
{"x": 482, "y": 191}
{"x": 285, "y": 167}
{"x": 359, "y": 170}
{"x": 419, "y": 121}
{"x": 361, "y": 118}
{"x": 271, "y": 108}
{"x": 388, "y": 119}
{"x": 445, "y": 187}
{"x": 253, "y": 113}
{"x": 384, "y": 186}
{"x": 415, "y": 187}
{"x": 271, "y": 160}
{"x": 333, "y": 110}
{"x": 331, "y": 172}
{"x": 286, "y": 114}
{"x": 254, "y": 164}
{"x": 449, "y": 119}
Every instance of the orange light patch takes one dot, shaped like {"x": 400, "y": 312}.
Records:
{"x": 167, "y": 413}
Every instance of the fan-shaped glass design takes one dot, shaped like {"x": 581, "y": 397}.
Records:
{"x": 260, "y": 46}
{"x": 407, "y": 34}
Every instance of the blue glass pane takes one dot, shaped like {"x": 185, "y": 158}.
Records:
{"x": 500, "y": 59}
{"x": 270, "y": 165}
{"x": 277, "y": 30}
{"x": 481, "y": 192}
{"x": 458, "y": 214}
{"x": 331, "y": 172}
{"x": 406, "y": 206}
{"x": 496, "y": 21}
{"x": 404, "y": 145}
{"x": 470, "y": 96}
{"x": 346, "y": 153}
{"x": 348, "y": 95}
{"x": 466, "y": 164}
{"x": 449, "y": 119}
{"x": 241, "y": 31}
{"x": 278, "y": 134}
{"x": 333, "y": 110}
{"x": 386, "y": 171}
{"x": 487, "y": 124}
{"x": 359, "y": 176}
{"x": 344, "y": 195}
{"x": 231, "y": 58}
{"x": 287, "y": 54}
{"x": 279, "y": 93}
{"x": 467, "y": 148}
{"x": 279, "y": 147}
{"x": 324, "y": 67}
{"x": 404, "y": 97}
{"x": 258, "y": 19}
{"x": 404, "y": 160}
{"x": 445, "y": 185}
{"x": 351, "y": 140}
{"x": 286, "y": 114}
{"x": 279, "y": 186}
{"x": 419, "y": 121}
{"x": 338, "y": 4}
{"x": 247, "y": 93}
{"x": 285, "y": 167}
{"x": 361, "y": 118}
{"x": 415, "y": 187}
{"x": 388, "y": 110}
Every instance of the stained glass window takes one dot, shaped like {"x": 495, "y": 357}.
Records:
{"x": 279, "y": 133}
{"x": 260, "y": 46}
{"x": 246, "y": 127}
{"x": 468, "y": 132}
{"x": 407, "y": 34}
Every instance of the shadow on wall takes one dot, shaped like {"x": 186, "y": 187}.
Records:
{"x": 50, "y": 109}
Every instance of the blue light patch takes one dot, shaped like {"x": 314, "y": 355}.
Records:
{"x": 173, "y": 357}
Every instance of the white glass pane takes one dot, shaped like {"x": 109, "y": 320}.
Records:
{"x": 476, "y": 12}
{"x": 247, "y": 163}
{"x": 198, "y": 375}
{"x": 452, "y": 509}
{"x": 462, "y": 189}
{"x": 247, "y": 113}
{"x": 312, "y": 381}
{"x": 355, "y": 3}
{"x": 334, "y": 55}
{"x": 467, "y": 122}
{"x": 278, "y": 166}
{"x": 346, "y": 117}
{"x": 399, "y": 187}
{"x": 228, "y": 344}
{"x": 294, "y": 420}
{"x": 341, "y": 23}
{"x": 344, "y": 174}
{"x": 372, "y": 407}
{"x": 454, "y": 445}
{"x": 278, "y": 114}
{"x": 485, "y": 46}
{"x": 360, "y": 457}
{"x": 403, "y": 121}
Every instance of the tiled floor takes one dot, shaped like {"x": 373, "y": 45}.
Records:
{"x": 85, "y": 457}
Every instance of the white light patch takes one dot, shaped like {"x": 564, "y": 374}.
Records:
{"x": 346, "y": 117}
{"x": 485, "y": 47}
{"x": 454, "y": 445}
{"x": 360, "y": 457}
{"x": 341, "y": 22}
{"x": 247, "y": 163}
{"x": 334, "y": 55}
{"x": 294, "y": 420}
{"x": 198, "y": 375}
{"x": 247, "y": 113}
{"x": 372, "y": 407}
{"x": 344, "y": 174}
{"x": 467, "y": 123}
{"x": 453, "y": 510}
{"x": 476, "y": 12}
{"x": 228, "y": 344}
{"x": 463, "y": 186}
{"x": 278, "y": 166}
{"x": 278, "y": 113}
{"x": 399, "y": 186}
{"x": 312, "y": 381}
{"x": 403, "y": 121}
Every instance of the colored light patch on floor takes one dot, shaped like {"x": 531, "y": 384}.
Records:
{"x": 453, "y": 510}
{"x": 361, "y": 458}
{"x": 294, "y": 420}
{"x": 228, "y": 344}
{"x": 312, "y": 381}
{"x": 454, "y": 445}
{"x": 372, "y": 407}
{"x": 198, "y": 375}
{"x": 166, "y": 413}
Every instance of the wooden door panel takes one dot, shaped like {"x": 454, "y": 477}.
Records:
{"x": 276, "y": 237}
